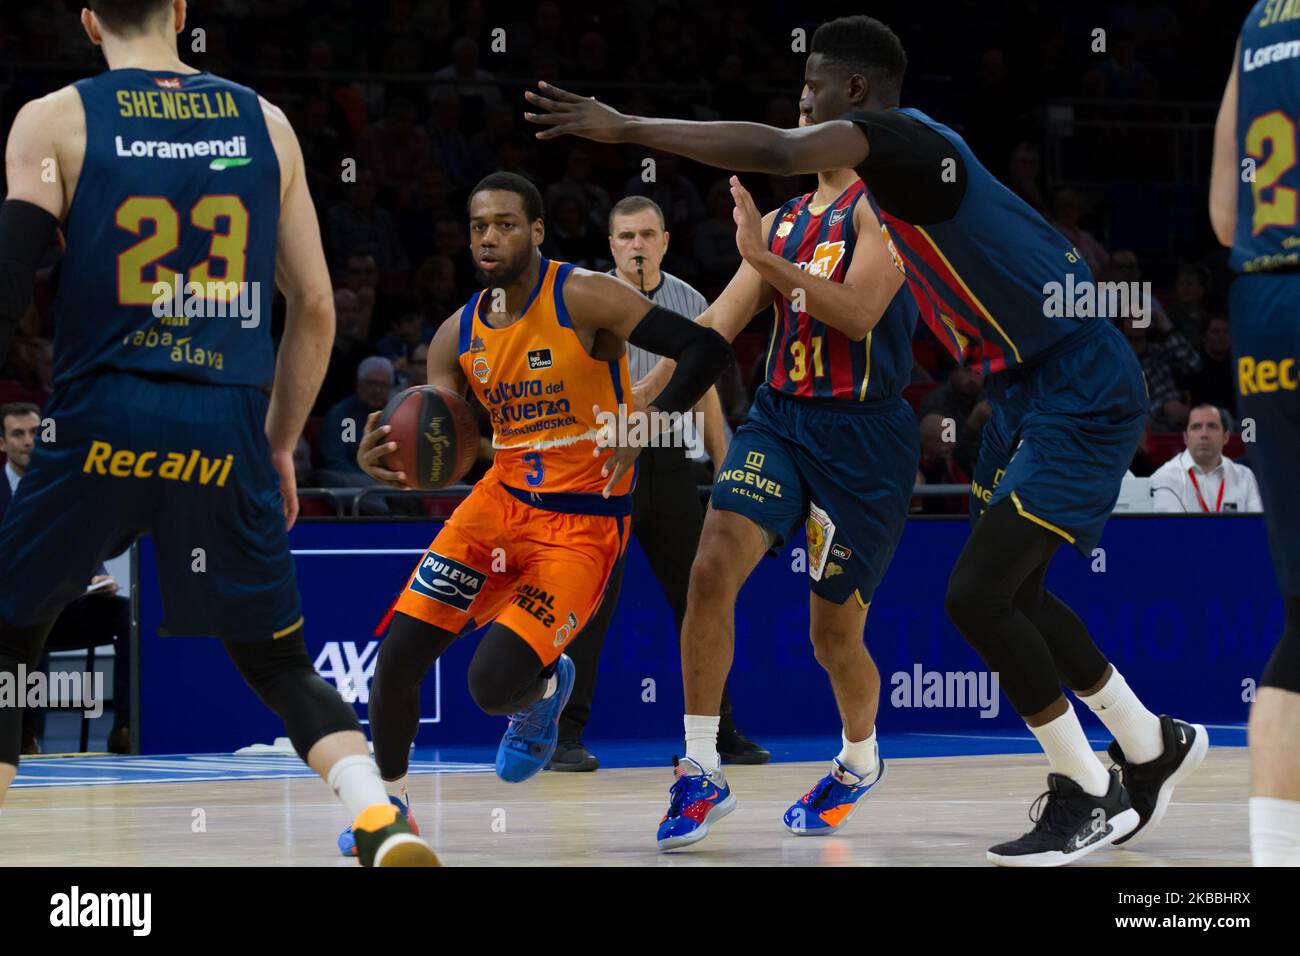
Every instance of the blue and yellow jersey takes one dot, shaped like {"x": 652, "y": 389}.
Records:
{"x": 171, "y": 234}
{"x": 1267, "y": 236}
{"x": 539, "y": 384}
{"x": 982, "y": 276}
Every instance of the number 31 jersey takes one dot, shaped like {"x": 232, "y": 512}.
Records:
{"x": 171, "y": 236}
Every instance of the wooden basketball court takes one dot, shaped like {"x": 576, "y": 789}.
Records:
{"x": 931, "y": 811}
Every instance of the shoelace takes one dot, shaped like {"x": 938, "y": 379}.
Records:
{"x": 820, "y": 791}
{"x": 1052, "y": 817}
{"x": 676, "y": 796}
{"x": 528, "y": 723}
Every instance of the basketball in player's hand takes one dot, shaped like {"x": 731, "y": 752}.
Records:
{"x": 436, "y": 436}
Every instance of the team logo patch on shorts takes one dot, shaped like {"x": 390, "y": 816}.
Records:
{"x": 447, "y": 581}
{"x": 841, "y": 552}
{"x": 821, "y": 529}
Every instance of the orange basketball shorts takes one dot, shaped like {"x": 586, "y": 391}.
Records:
{"x": 497, "y": 559}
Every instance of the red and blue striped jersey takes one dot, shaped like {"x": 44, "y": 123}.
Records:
{"x": 984, "y": 276}
{"x": 809, "y": 359}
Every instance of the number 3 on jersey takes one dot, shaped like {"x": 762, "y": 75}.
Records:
{"x": 230, "y": 245}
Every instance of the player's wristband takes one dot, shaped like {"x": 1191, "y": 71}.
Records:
{"x": 701, "y": 354}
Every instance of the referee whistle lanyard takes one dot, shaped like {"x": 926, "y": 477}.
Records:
{"x": 1218, "y": 505}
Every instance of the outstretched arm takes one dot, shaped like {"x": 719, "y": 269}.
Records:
{"x": 743, "y": 146}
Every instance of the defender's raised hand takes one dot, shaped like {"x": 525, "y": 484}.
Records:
{"x": 567, "y": 113}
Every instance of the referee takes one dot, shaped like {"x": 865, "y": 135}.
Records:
{"x": 667, "y": 515}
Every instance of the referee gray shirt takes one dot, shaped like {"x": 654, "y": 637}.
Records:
{"x": 675, "y": 295}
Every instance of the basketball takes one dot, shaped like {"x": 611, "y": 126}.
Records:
{"x": 436, "y": 435}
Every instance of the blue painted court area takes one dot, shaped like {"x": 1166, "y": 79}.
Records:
{"x": 86, "y": 771}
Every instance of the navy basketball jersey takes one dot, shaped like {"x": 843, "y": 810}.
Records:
{"x": 984, "y": 277}
{"x": 1268, "y": 115}
{"x": 171, "y": 235}
{"x": 807, "y": 358}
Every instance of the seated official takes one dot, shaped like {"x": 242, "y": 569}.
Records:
{"x": 1200, "y": 480}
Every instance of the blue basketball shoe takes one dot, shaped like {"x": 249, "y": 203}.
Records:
{"x": 348, "y": 842}
{"x": 695, "y": 800}
{"x": 530, "y": 739}
{"x": 828, "y": 805}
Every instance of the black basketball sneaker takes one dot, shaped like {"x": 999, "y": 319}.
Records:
{"x": 1070, "y": 824}
{"x": 1150, "y": 785}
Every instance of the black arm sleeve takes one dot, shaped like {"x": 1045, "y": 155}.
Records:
{"x": 908, "y": 169}
{"x": 25, "y": 231}
{"x": 701, "y": 353}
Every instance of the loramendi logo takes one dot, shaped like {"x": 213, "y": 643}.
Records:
{"x": 224, "y": 153}
{"x": 74, "y": 909}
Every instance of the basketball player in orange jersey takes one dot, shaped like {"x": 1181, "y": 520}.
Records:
{"x": 531, "y": 549}
{"x": 165, "y": 173}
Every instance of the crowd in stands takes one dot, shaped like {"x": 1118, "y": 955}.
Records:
{"x": 402, "y": 105}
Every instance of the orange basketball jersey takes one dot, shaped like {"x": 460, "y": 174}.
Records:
{"x": 539, "y": 384}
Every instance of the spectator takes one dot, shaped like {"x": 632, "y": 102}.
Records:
{"x": 451, "y": 146}
{"x": 576, "y": 182}
{"x": 1191, "y": 291}
{"x": 463, "y": 75}
{"x": 672, "y": 192}
{"x": 432, "y": 202}
{"x": 1214, "y": 384}
{"x": 416, "y": 369}
{"x": 961, "y": 399}
{"x": 346, "y": 419}
{"x": 938, "y": 467}
{"x": 1067, "y": 209}
{"x": 434, "y": 288}
{"x": 714, "y": 240}
{"x": 349, "y": 349}
{"x": 1025, "y": 176}
{"x": 395, "y": 148}
{"x": 1125, "y": 267}
{"x": 1164, "y": 355}
{"x": 98, "y": 617}
{"x": 570, "y": 238}
{"x": 1200, "y": 480}
{"x": 409, "y": 331}
{"x": 358, "y": 226}
{"x": 1122, "y": 76}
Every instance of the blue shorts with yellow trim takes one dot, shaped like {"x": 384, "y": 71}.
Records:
{"x": 122, "y": 455}
{"x": 845, "y": 468}
{"x": 1062, "y": 434}
{"x": 1265, "y": 312}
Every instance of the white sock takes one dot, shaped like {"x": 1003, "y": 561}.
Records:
{"x": 1070, "y": 753}
{"x": 702, "y": 741}
{"x": 355, "y": 781}
{"x": 552, "y": 683}
{"x": 397, "y": 788}
{"x": 1135, "y": 727}
{"x": 1274, "y": 831}
{"x": 860, "y": 757}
